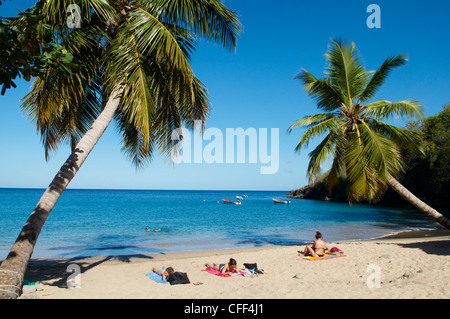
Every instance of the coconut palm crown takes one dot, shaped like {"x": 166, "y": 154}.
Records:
{"x": 130, "y": 63}
{"x": 364, "y": 149}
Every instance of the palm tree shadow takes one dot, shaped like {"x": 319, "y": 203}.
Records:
{"x": 439, "y": 247}
{"x": 54, "y": 272}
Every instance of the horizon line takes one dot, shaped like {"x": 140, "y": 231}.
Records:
{"x": 156, "y": 189}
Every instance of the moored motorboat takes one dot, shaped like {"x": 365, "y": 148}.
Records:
{"x": 226, "y": 201}
{"x": 279, "y": 201}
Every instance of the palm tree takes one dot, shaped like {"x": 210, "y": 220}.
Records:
{"x": 131, "y": 65}
{"x": 364, "y": 149}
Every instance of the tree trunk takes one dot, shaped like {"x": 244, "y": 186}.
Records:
{"x": 410, "y": 197}
{"x": 14, "y": 266}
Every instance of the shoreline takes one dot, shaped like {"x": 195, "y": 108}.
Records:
{"x": 411, "y": 267}
{"x": 419, "y": 234}
{"x": 207, "y": 252}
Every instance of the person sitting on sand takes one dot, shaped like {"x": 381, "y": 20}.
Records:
{"x": 228, "y": 268}
{"x": 165, "y": 272}
{"x": 317, "y": 249}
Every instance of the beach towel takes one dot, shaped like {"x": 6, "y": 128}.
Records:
{"x": 325, "y": 257}
{"x": 218, "y": 273}
{"x": 156, "y": 278}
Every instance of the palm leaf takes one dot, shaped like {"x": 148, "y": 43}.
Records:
{"x": 311, "y": 120}
{"x": 402, "y": 137}
{"x": 209, "y": 19}
{"x": 346, "y": 71}
{"x": 326, "y": 95}
{"x": 63, "y": 105}
{"x": 318, "y": 130}
{"x": 321, "y": 154}
{"x": 380, "y": 76}
{"x": 385, "y": 109}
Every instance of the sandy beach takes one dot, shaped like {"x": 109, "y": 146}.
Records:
{"x": 405, "y": 267}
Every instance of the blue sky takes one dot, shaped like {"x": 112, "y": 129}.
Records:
{"x": 253, "y": 87}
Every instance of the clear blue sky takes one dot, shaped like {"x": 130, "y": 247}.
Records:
{"x": 254, "y": 88}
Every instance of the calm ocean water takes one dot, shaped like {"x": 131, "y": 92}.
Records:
{"x": 113, "y": 222}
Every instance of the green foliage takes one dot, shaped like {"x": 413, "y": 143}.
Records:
{"x": 141, "y": 47}
{"x": 364, "y": 150}
{"x": 25, "y": 53}
{"x": 428, "y": 172}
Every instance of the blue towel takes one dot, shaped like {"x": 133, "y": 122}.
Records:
{"x": 155, "y": 277}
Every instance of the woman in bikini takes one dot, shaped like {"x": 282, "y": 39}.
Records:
{"x": 229, "y": 267}
{"x": 164, "y": 272}
{"x": 317, "y": 249}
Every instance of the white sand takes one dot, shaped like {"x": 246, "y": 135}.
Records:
{"x": 408, "y": 268}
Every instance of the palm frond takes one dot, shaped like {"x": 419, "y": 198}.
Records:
{"x": 209, "y": 19}
{"x": 385, "y": 109}
{"x": 321, "y": 154}
{"x": 161, "y": 92}
{"x": 63, "y": 105}
{"x": 401, "y": 136}
{"x": 311, "y": 120}
{"x": 327, "y": 96}
{"x": 57, "y": 13}
{"x": 380, "y": 75}
{"x": 360, "y": 176}
{"x": 318, "y": 130}
{"x": 345, "y": 70}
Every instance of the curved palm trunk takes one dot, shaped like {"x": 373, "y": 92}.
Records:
{"x": 410, "y": 197}
{"x": 14, "y": 266}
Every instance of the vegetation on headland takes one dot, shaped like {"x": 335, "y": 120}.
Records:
{"x": 426, "y": 174}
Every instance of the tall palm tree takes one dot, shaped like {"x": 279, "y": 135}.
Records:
{"x": 364, "y": 149}
{"x": 131, "y": 65}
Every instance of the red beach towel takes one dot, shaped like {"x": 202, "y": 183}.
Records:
{"x": 218, "y": 273}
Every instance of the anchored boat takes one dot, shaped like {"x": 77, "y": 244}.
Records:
{"x": 279, "y": 201}
{"x": 226, "y": 201}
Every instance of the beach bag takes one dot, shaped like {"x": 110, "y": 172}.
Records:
{"x": 252, "y": 266}
{"x": 251, "y": 270}
{"x": 336, "y": 251}
{"x": 248, "y": 273}
{"x": 178, "y": 278}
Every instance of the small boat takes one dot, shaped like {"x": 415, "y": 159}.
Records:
{"x": 245, "y": 196}
{"x": 226, "y": 201}
{"x": 239, "y": 198}
{"x": 279, "y": 201}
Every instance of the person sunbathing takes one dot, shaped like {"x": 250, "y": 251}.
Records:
{"x": 228, "y": 268}
{"x": 165, "y": 272}
{"x": 317, "y": 249}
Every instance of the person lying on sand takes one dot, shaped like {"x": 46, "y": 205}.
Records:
{"x": 317, "y": 249}
{"x": 228, "y": 268}
{"x": 165, "y": 272}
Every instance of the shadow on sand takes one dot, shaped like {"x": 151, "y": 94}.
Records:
{"x": 54, "y": 271}
{"x": 438, "y": 247}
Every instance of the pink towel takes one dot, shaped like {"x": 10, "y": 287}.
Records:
{"x": 218, "y": 273}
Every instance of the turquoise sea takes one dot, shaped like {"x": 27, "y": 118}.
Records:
{"x": 113, "y": 222}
